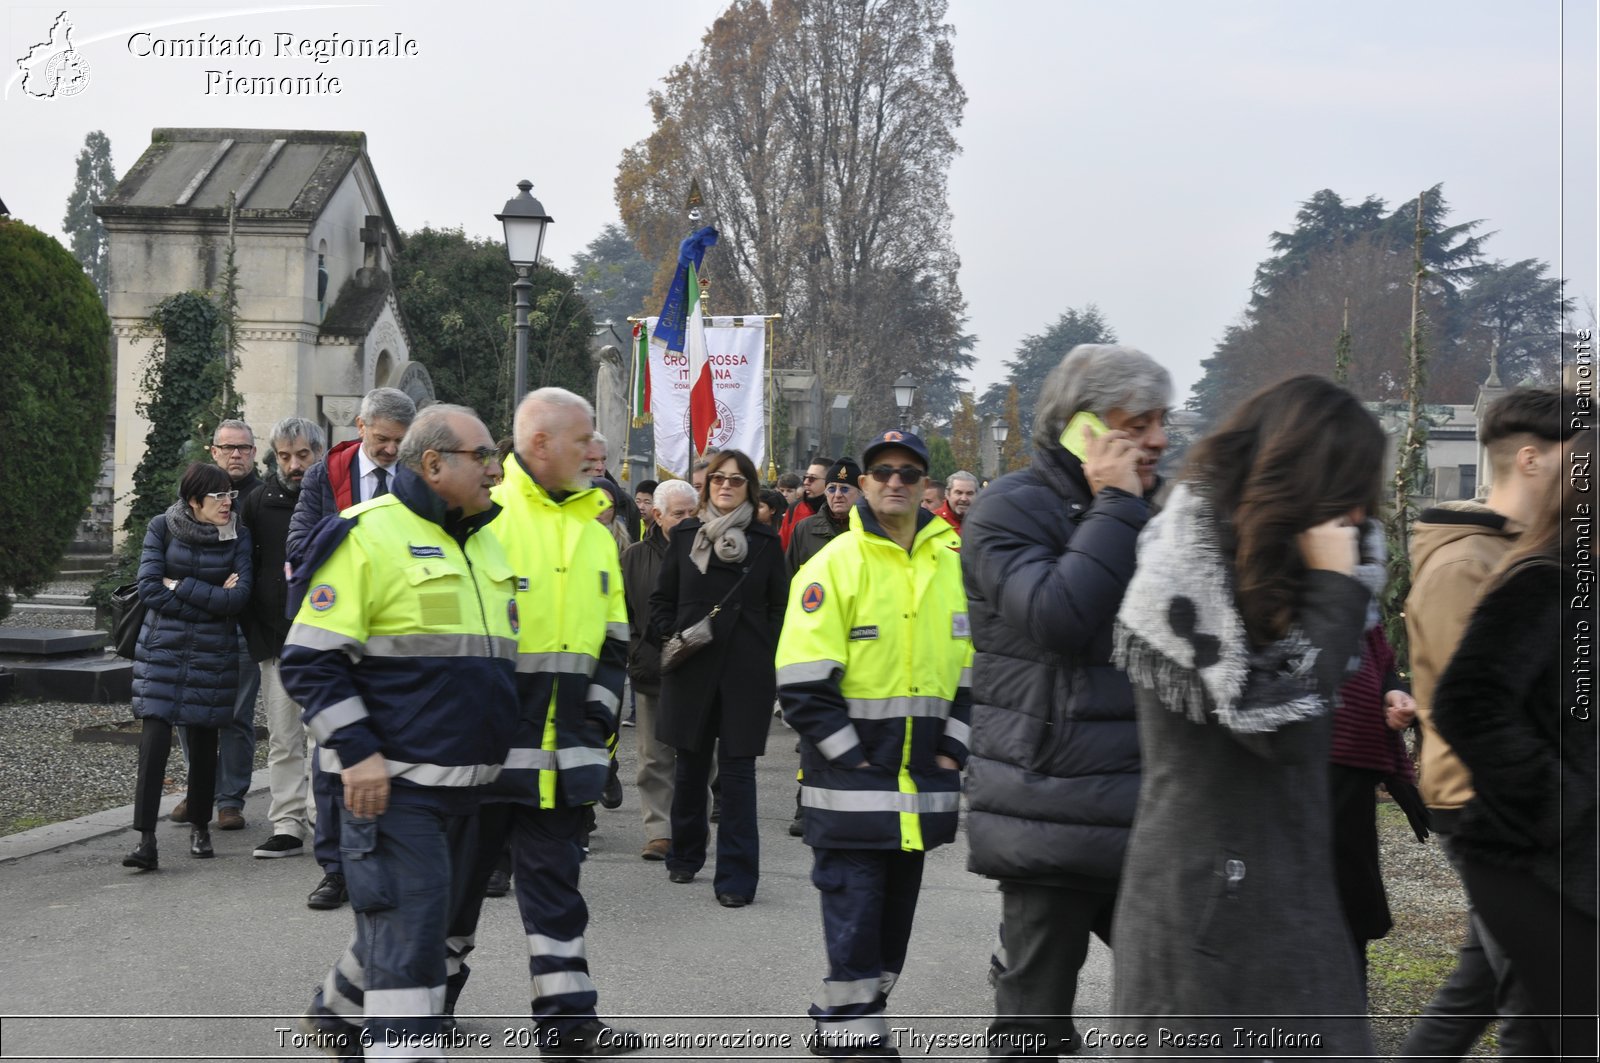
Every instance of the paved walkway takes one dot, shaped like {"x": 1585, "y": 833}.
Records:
{"x": 210, "y": 959}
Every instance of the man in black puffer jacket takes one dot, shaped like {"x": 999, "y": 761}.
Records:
{"x": 1053, "y": 776}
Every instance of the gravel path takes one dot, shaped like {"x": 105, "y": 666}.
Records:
{"x": 45, "y": 776}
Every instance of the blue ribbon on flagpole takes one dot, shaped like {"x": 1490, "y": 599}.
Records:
{"x": 672, "y": 326}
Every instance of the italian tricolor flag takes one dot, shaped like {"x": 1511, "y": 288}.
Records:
{"x": 702, "y": 400}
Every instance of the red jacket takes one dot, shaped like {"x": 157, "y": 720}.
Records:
{"x": 802, "y": 508}
{"x": 949, "y": 515}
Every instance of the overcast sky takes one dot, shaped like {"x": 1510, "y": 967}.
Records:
{"x": 1133, "y": 154}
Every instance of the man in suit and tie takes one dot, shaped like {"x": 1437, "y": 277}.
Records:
{"x": 354, "y": 471}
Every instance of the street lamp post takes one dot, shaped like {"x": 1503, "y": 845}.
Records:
{"x": 905, "y": 391}
{"x": 525, "y": 222}
{"x": 998, "y": 432}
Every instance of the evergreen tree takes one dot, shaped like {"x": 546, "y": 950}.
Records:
{"x": 1039, "y": 354}
{"x": 93, "y": 186}
{"x": 1014, "y": 451}
{"x": 614, "y": 277}
{"x": 53, "y": 406}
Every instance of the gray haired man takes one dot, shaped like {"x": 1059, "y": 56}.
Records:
{"x": 297, "y": 445}
{"x": 354, "y": 471}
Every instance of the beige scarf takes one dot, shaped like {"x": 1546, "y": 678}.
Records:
{"x": 724, "y": 533}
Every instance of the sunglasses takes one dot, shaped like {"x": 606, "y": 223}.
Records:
{"x": 483, "y": 455}
{"x": 809, "y": 479}
{"x": 837, "y": 489}
{"x": 909, "y": 474}
{"x": 222, "y": 495}
{"x": 731, "y": 479}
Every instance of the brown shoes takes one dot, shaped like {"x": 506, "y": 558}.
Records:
{"x": 180, "y": 812}
{"x": 656, "y": 849}
{"x": 230, "y": 819}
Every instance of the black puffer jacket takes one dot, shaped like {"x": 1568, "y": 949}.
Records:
{"x": 1054, "y": 773}
{"x": 186, "y": 666}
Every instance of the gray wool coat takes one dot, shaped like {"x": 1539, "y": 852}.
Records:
{"x": 1229, "y": 910}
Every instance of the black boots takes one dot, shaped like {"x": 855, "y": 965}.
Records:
{"x": 200, "y": 842}
{"x": 143, "y": 856}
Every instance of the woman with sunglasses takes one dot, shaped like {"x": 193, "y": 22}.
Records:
{"x": 194, "y": 578}
{"x": 717, "y": 705}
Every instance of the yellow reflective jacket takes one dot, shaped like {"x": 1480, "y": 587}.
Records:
{"x": 572, "y": 653}
{"x": 874, "y": 665}
{"x": 405, "y": 641}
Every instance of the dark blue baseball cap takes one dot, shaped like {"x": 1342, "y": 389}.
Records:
{"x": 894, "y": 438}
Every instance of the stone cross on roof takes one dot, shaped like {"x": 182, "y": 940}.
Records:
{"x": 374, "y": 237}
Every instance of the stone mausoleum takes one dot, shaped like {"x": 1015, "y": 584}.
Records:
{"x": 319, "y": 325}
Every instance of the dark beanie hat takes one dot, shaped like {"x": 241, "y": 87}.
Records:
{"x": 844, "y": 471}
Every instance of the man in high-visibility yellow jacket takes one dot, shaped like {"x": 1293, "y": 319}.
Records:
{"x": 572, "y": 657}
{"x": 874, "y": 673}
{"x": 403, "y": 655}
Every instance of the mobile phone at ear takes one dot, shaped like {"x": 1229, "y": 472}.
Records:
{"x": 1072, "y": 435}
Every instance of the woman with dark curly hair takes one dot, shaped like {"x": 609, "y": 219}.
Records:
{"x": 194, "y": 577}
{"x": 717, "y": 706}
{"x": 1242, "y": 620}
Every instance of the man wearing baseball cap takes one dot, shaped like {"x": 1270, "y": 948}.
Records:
{"x": 874, "y": 674}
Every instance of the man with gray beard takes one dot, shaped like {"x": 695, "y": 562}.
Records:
{"x": 297, "y": 444}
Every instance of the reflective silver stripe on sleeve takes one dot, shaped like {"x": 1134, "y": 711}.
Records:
{"x": 560, "y": 983}
{"x": 808, "y": 672}
{"x": 879, "y": 800}
{"x": 563, "y": 663}
{"x": 617, "y": 630}
{"x": 582, "y": 757}
{"x": 603, "y": 696}
{"x": 894, "y": 708}
{"x": 461, "y": 644}
{"x": 966, "y": 678}
{"x": 443, "y": 774}
{"x": 339, "y": 714}
{"x": 539, "y": 945}
{"x": 328, "y": 760}
{"x": 842, "y": 994}
{"x": 311, "y": 637}
{"x": 958, "y": 731}
{"x": 840, "y": 742}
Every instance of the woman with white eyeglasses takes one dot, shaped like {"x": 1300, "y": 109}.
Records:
{"x": 716, "y": 707}
{"x": 194, "y": 579}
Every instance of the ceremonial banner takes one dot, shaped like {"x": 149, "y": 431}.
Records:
{"x": 737, "y": 357}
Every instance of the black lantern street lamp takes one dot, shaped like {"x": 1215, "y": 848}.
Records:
{"x": 525, "y": 223}
{"x": 998, "y": 432}
{"x": 905, "y": 390}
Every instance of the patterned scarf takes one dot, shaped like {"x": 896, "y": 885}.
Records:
{"x": 722, "y": 532}
{"x": 1180, "y": 634}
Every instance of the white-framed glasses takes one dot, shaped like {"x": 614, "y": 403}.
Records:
{"x": 222, "y": 495}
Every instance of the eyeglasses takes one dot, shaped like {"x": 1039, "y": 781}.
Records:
{"x": 234, "y": 448}
{"x": 484, "y": 455}
{"x": 909, "y": 474}
{"x": 222, "y": 495}
{"x": 731, "y": 479}
{"x": 837, "y": 489}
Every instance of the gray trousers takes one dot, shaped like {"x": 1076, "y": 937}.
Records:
{"x": 1044, "y": 935}
{"x": 657, "y": 762}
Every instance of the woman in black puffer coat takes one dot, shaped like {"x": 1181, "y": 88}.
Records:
{"x": 194, "y": 578}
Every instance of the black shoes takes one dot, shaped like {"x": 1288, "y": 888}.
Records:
{"x": 279, "y": 845}
{"x": 143, "y": 856}
{"x": 200, "y": 842}
{"x": 331, "y": 1038}
{"x": 499, "y": 883}
{"x": 590, "y": 1041}
{"x": 329, "y": 894}
{"x": 680, "y": 877}
{"x": 611, "y": 796}
{"x": 732, "y": 900}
